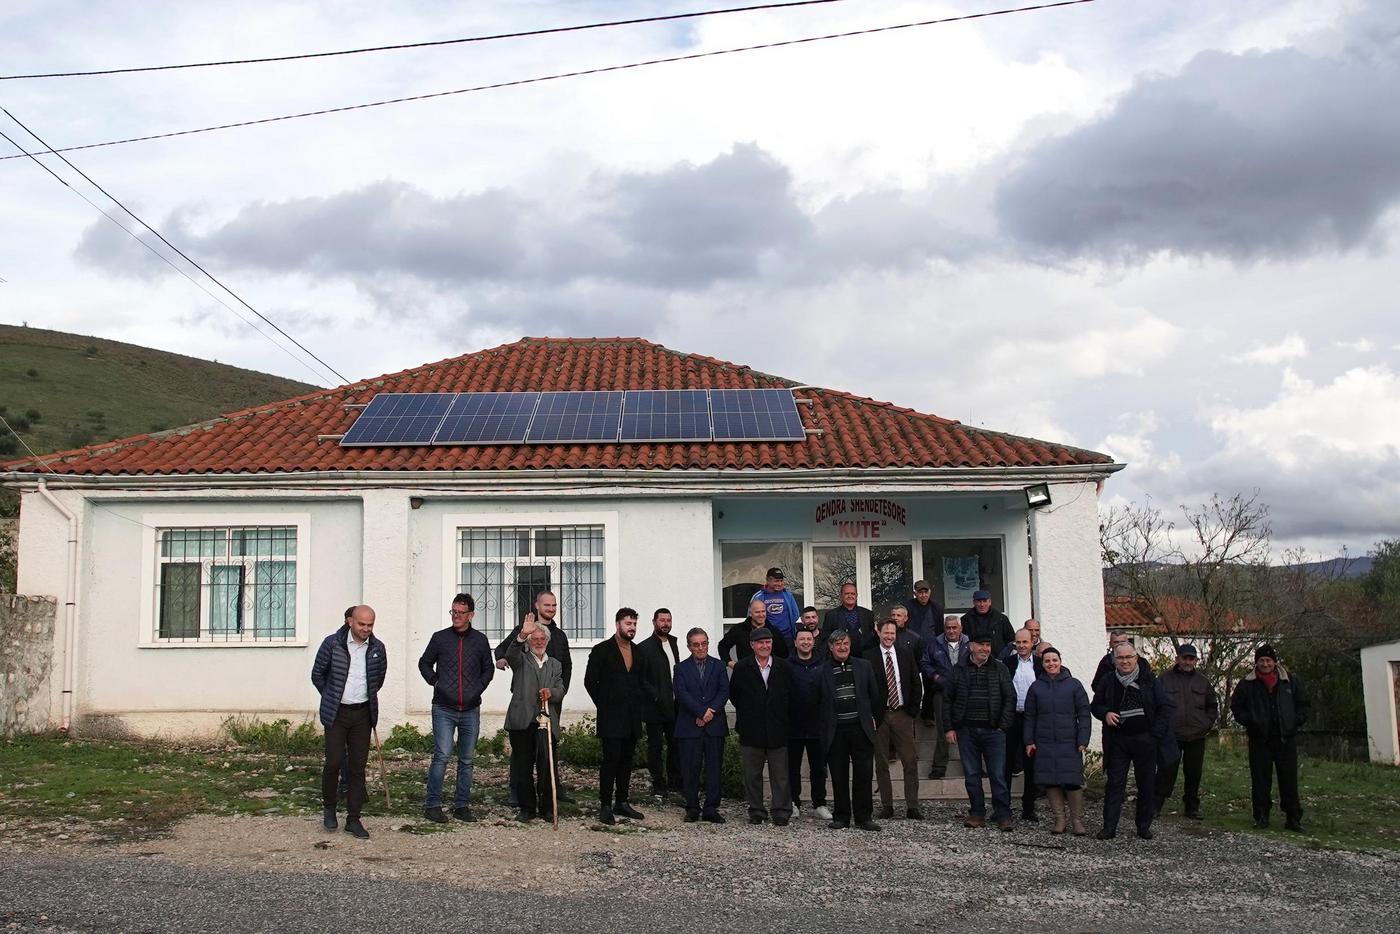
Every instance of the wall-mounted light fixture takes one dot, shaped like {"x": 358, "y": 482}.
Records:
{"x": 1038, "y": 496}
{"x": 415, "y": 502}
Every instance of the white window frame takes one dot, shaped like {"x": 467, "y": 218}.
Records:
{"x": 150, "y": 571}
{"x": 454, "y": 523}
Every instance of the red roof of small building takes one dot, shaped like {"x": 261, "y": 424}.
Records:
{"x": 856, "y": 432}
{"x": 1173, "y": 616}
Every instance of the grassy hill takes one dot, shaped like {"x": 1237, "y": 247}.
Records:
{"x": 65, "y": 390}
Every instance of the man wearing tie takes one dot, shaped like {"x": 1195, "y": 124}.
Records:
{"x": 897, "y": 675}
{"x": 702, "y": 689}
{"x": 660, "y": 718}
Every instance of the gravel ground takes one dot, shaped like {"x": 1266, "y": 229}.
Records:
{"x": 286, "y": 874}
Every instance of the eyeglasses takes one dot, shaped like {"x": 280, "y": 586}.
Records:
{"x": 459, "y": 612}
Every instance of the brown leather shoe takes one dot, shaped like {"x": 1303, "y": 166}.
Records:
{"x": 1004, "y": 824}
{"x": 974, "y": 821}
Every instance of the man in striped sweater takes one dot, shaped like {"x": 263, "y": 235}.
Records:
{"x": 348, "y": 672}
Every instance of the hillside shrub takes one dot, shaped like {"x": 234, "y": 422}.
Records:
{"x": 278, "y": 737}
{"x": 33, "y": 415}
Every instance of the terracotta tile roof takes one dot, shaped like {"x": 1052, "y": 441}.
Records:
{"x": 282, "y": 437}
{"x": 1173, "y": 616}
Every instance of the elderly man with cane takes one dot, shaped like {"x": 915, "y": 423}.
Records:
{"x": 348, "y": 672}
{"x": 536, "y": 694}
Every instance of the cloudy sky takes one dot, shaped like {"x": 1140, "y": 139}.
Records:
{"x": 1165, "y": 230}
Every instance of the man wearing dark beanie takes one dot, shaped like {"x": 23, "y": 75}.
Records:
{"x": 1271, "y": 705}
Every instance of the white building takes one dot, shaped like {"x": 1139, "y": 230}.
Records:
{"x": 207, "y": 563}
{"x": 1380, "y": 682}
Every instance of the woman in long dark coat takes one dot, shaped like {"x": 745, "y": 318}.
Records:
{"x": 1057, "y": 732}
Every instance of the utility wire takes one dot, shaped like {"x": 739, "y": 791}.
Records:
{"x": 567, "y": 74}
{"x": 667, "y": 17}
{"x": 159, "y": 255}
{"x": 183, "y": 255}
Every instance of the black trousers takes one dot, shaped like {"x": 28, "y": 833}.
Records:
{"x": 701, "y": 755}
{"x": 1138, "y": 750}
{"x": 530, "y": 777}
{"x": 851, "y": 764}
{"x": 663, "y": 758}
{"x": 1193, "y": 757}
{"x": 1018, "y": 761}
{"x": 347, "y": 741}
{"x": 1267, "y": 756}
{"x": 615, "y": 774}
{"x": 816, "y": 765}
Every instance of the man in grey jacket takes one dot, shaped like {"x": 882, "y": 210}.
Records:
{"x": 1196, "y": 710}
{"x": 537, "y": 682}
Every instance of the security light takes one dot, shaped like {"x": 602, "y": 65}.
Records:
{"x": 1038, "y": 495}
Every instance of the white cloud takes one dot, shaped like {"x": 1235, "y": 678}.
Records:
{"x": 1292, "y": 347}
{"x": 1361, "y": 345}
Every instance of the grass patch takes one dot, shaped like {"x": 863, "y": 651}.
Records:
{"x": 279, "y": 736}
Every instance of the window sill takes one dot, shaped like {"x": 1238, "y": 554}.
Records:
{"x": 260, "y": 644}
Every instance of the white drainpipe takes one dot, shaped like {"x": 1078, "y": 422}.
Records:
{"x": 70, "y": 596}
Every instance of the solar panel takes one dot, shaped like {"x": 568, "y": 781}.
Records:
{"x": 755, "y": 415}
{"x": 399, "y": 418}
{"x": 666, "y": 415}
{"x": 576, "y": 416}
{"x": 488, "y": 418}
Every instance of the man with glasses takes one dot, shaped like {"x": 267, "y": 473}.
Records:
{"x": 458, "y": 664}
{"x": 1136, "y": 717}
{"x": 702, "y": 689}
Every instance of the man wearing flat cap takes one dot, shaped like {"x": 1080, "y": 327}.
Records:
{"x": 1271, "y": 705}
{"x": 761, "y": 691}
{"x": 1196, "y": 708}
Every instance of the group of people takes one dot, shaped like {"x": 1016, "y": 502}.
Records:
{"x": 842, "y": 691}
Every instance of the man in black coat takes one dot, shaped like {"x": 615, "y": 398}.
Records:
{"x": 985, "y": 620}
{"x": 761, "y": 692}
{"x": 737, "y": 639}
{"x": 925, "y": 613}
{"x": 1197, "y": 708}
{"x": 852, "y": 706}
{"x": 618, "y": 680}
{"x": 1136, "y": 715}
{"x": 901, "y": 687}
{"x": 980, "y": 704}
{"x": 1271, "y": 705}
{"x": 851, "y": 617}
{"x": 663, "y": 651}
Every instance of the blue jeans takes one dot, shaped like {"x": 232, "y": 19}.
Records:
{"x": 467, "y": 724}
{"x": 983, "y": 753}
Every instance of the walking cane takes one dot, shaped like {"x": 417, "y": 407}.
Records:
{"x": 549, "y": 747}
{"x": 383, "y": 779}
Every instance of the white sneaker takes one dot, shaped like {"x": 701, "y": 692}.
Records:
{"x": 796, "y": 812}
{"x": 823, "y": 812}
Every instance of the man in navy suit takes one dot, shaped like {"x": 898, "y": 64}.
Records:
{"x": 701, "y": 684}
{"x": 940, "y": 655}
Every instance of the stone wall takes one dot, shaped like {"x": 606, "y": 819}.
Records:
{"x": 27, "y": 626}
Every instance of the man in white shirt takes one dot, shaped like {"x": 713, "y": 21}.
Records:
{"x": 349, "y": 670}
{"x": 1024, "y": 666}
{"x": 897, "y": 675}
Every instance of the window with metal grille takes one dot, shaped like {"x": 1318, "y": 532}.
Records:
{"x": 504, "y": 569}
{"x": 226, "y": 584}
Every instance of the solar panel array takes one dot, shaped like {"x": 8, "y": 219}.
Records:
{"x": 637, "y": 415}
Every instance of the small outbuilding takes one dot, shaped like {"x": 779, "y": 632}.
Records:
{"x": 1380, "y": 681}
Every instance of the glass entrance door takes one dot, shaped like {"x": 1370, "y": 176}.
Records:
{"x": 832, "y": 565}
{"x": 883, "y": 574}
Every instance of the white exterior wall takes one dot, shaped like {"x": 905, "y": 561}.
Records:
{"x": 1068, "y": 580}
{"x": 1379, "y": 667}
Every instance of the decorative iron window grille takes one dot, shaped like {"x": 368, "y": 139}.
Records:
{"x": 226, "y": 584}
{"x": 504, "y": 569}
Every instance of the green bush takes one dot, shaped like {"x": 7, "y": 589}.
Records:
{"x": 279, "y": 736}
{"x": 406, "y": 736}
{"x": 578, "y": 746}
{"x": 494, "y": 745}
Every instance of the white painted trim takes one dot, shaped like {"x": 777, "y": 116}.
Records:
{"x": 156, "y": 521}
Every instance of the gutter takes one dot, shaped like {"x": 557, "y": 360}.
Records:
{"x": 69, "y": 604}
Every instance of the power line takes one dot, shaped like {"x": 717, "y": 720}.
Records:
{"x": 567, "y": 74}
{"x": 667, "y": 17}
{"x": 183, "y": 255}
{"x": 159, "y": 255}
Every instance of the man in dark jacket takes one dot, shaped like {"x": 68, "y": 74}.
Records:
{"x": 897, "y": 676}
{"x": 457, "y": 663}
{"x": 1271, "y": 705}
{"x": 761, "y": 692}
{"x": 851, "y": 710}
{"x": 736, "y": 641}
{"x": 1195, "y": 709}
{"x": 940, "y": 656}
{"x": 985, "y": 620}
{"x": 1024, "y": 667}
{"x": 664, "y": 654}
{"x": 851, "y": 617}
{"x": 618, "y": 681}
{"x": 980, "y": 704}
{"x": 925, "y": 613}
{"x": 702, "y": 688}
{"x": 1136, "y": 717}
{"x": 804, "y": 728}
{"x": 348, "y": 672}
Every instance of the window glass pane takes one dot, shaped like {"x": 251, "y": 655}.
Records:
{"x": 485, "y": 581}
{"x": 192, "y": 543}
{"x": 744, "y": 566}
{"x": 274, "y": 599}
{"x": 832, "y": 566}
{"x": 269, "y": 542}
{"x": 549, "y": 543}
{"x": 891, "y": 577}
{"x": 226, "y": 599}
{"x": 958, "y": 566}
{"x": 179, "y": 601}
{"x": 531, "y": 580}
{"x": 581, "y": 599}
{"x": 583, "y": 542}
